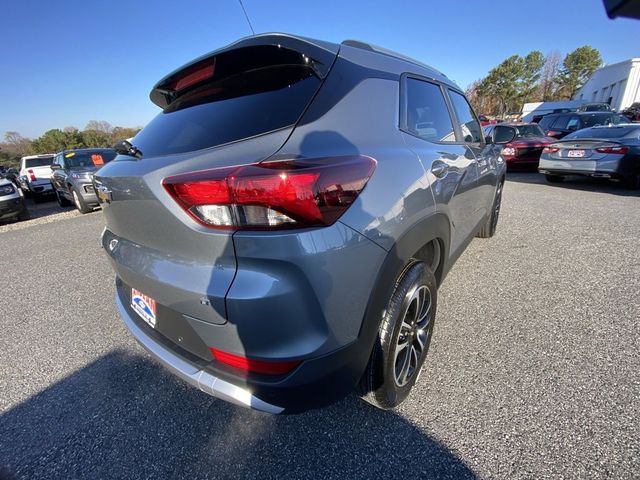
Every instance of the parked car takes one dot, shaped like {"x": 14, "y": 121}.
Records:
{"x": 484, "y": 120}
{"x": 611, "y": 151}
{"x": 523, "y": 152}
{"x": 632, "y": 112}
{"x": 12, "y": 174}
{"x": 538, "y": 117}
{"x": 72, "y": 177}
{"x": 12, "y": 205}
{"x": 595, "y": 107}
{"x": 34, "y": 175}
{"x": 278, "y": 260}
{"x": 560, "y": 125}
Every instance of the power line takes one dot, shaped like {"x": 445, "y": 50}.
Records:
{"x": 247, "y": 17}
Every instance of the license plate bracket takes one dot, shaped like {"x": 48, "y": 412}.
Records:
{"x": 144, "y": 306}
{"x": 575, "y": 153}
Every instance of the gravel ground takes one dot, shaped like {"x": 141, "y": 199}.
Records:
{"x": 533, "y": 371}
{"x": 45, "y": 211}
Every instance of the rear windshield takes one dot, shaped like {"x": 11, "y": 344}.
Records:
{"x": 615, "y": 132}
{"x": 38, "y": 162}
{"x": 253, "y": 90}
{"x": 88, "y": 159}
{"x": 598, "y": 119}
{"x": 527, "y": 131}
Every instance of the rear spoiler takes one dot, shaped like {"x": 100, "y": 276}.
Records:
{"x": 321, "y": 57}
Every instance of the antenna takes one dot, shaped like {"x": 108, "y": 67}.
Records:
{"x": 247, "y": 17}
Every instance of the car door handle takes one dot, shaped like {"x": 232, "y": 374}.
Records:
{"x": 439, "y": 168}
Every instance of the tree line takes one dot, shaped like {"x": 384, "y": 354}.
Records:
{"x": 533, "y": 78}
{"x": 97, "y": 133}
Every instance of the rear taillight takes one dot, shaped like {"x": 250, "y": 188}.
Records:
{"x": 618, "y": 150}
{"x": 281, "y": 194}
{"x": 249, "y": 365}
{"x": 508, "y": 151}
{"x": 32, "y": 175}
{"x": 552, "y": 133}
{"x": 550, "y": 150}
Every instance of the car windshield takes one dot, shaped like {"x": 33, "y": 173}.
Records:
{"x": 527, "y": 131}
{"x": 38, "y": 162}
{"x": 91, "y": 159}
{"x": 613, "y": 132}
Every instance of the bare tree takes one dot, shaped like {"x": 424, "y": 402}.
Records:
{"x": 16, "y": 144}
{"x": 99, "y": 126}
{"x": 548, "y": 83}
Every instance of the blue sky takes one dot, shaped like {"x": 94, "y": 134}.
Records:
{"x": 65, "y": 63}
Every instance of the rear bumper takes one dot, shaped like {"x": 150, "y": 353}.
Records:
{"x": 583, "y": 173}
{"x": 292, "y": 296}
{"x": 192, "y": 374}
{"x": 40, "y": 187}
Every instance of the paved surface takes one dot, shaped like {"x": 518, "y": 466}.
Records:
{"x": 533, "y": 372}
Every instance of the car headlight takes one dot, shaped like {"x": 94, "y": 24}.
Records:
{"x": 6, "y": 190}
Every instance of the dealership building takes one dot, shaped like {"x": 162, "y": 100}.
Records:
{"x": 617, "y": 84}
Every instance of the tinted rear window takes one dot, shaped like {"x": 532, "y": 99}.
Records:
{"x": 38, "y": 162}
{"x": 254, "y": 90}
{"x": 616, "y": 132}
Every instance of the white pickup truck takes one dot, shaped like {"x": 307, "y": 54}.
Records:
{"x": 35, "y": 175}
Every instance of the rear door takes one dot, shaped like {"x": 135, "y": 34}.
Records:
{"x": 430, "y": 131}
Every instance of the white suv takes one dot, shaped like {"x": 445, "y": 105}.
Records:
{"x": 35, "y": 175}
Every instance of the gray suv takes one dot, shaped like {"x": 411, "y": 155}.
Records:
{"x": 280, "y": 229}
{"x": 72, "y": 176}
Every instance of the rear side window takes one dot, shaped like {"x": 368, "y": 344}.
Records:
{"x": 562, "y": 121}
{"x": 471, "y": 130}
{"x": 426, "y": 112}
{"x": 38, "y": 162}
{"x": 245, "y": 92}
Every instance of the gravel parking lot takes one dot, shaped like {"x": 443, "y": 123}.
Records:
{"x": 533, "y": 371}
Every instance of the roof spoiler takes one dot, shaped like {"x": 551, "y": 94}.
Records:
{"x": 321, "y": 55}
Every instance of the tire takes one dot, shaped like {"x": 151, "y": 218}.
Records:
{"x": 24, "y": 215}
{"x": 632, "y": 182}
{"x": 62, "y": 200}
{"x": 393, "y": 370}
{"x": 554, "y": 178}
{"x": 79, "y": 202}
{"x": 488, "y": 230}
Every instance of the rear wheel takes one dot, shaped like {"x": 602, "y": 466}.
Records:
{"x": 554, "y": 178}
{"x": 403, "y": 339}
{"x": 79, "y": 202}
{"x": 488, "y": 230}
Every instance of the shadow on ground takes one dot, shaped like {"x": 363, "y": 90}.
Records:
{"x": 599, "y": 185}
{"x": 125, "y": 417}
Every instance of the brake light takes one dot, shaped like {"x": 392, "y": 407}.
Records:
{"x": 550, "y": 150}
{"x": 281, "y": 194}
{"x": 32, "y": 175}
{"x": 249, "y": 365}
{"x": 194, "y": 75}
{"x": 552, "y": 133}
{"x": 508, "y": 151}
{"x": 618, "y": 150}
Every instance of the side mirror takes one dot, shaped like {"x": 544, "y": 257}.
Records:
{"x": 502, "y": 134}
{"x": 55, "y": 166}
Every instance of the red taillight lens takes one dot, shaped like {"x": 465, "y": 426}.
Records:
{"x": 254, "y": 366}
{"x": 32, "y": 175}
{"x": 552, "y": 133}
{"x": 550, "y": 150}
{"x": 617, "y": 150}
{"x": 508, "y": 151}
{"x": 282, "y": 194}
